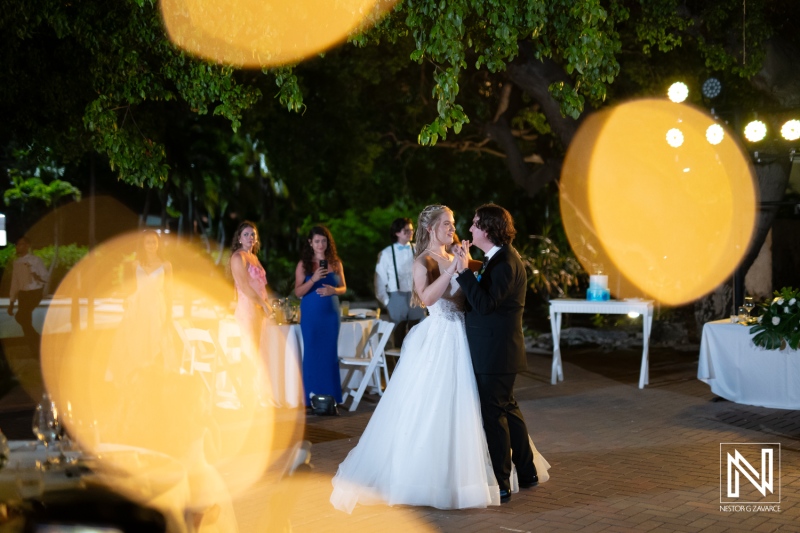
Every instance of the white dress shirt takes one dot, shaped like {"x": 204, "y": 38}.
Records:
{"x": 29, "y": 275}
{"x": 385, "y": 280}
{"x": 489, "y": 254}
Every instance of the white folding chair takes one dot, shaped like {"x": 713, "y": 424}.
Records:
{"x": 363, "y": 312}
{"x": 370, "y": 361}
{"x": 200, "y": 355}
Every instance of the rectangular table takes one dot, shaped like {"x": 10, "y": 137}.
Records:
{"x": 739, "y": 371}
{"x": 612, "y": 307}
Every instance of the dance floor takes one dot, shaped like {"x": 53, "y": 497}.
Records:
{"x": 623, "y": 458}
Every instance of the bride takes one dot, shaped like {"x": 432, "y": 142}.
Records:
{"x": 424, "y": 444}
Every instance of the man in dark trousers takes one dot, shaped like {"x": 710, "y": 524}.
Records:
{"x": 495, "y": 301}
{"x": 27, "y": 283}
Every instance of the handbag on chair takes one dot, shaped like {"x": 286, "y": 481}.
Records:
{"x": 323, "y": 405}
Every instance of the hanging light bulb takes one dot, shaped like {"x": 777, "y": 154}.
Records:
{"x": 715, "y": 134}
{"x": 678, "y": 92}
{"x": 791, "y": 130}
{"x": 675, "y": 137}
{"x": 755, "y": 131}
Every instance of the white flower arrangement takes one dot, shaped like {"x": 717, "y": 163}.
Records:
{"x": 779, "y": 324}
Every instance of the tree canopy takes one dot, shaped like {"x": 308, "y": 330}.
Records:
{"x": 439, "y": 101}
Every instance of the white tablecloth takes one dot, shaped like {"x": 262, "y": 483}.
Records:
{"x": 612, "y": 307}
{"x": 281, "y": 349}
{"x": 742, "y": 372}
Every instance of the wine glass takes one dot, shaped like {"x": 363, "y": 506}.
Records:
{"x": 46, "y": 425}
{"x": 749, "y": 305}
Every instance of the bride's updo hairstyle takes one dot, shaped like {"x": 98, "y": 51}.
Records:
{"x": 428, "y": 221}
{"x": 426, "y": 224}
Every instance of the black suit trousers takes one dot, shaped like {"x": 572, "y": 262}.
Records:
{"x": 506, "y": 432}
{"x": 28, "y": 301}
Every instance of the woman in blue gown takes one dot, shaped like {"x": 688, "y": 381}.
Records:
{"x": 319, "y": 280}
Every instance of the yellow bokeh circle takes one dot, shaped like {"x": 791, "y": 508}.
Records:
{"x": 663, "y": 221}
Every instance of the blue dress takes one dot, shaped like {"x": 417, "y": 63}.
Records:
{"x": 319, "y": 322}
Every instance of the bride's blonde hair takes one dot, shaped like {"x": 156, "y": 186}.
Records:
{"x": 426, "y": 224}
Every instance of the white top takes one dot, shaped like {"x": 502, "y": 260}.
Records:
{"x": 385, "y": 280}
{"x": 29, "y": 275}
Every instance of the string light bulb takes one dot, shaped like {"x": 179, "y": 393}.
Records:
{"x": 678, "y": 92}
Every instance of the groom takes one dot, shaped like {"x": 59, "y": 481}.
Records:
{"x": 495, "y": 301}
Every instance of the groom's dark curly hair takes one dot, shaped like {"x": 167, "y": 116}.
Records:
{"x": 497, "y": 223}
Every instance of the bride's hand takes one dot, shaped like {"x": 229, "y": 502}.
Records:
{"x": 462, "y": 256}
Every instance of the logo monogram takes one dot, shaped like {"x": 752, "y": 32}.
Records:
{"x": 734, "y": 464}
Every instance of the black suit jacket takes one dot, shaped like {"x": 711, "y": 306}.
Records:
{"x": 494, "y": 314}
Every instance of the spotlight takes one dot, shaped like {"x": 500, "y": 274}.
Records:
{"x": 711, "y": 88}
{"x": 715, "y": 134}
{"x": 678, "y": 92}
{"x": 755, "y": 131}
{"x": 633, "y": 314}
{"x": 791, "y": 130}
{"x": 675, "y": 137}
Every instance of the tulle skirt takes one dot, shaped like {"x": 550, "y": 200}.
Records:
{"x": 424, "y": 444}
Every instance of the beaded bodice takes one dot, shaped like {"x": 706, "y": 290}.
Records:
{"x": 451, "y": 304}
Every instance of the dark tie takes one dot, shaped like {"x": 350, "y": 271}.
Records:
{"x": 483, "y": 267}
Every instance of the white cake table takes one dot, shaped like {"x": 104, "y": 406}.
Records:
{"x": 612, "y": 307}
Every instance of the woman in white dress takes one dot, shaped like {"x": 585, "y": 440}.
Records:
{"x": 143, "y": 339}
{"x": 424, "y": 444}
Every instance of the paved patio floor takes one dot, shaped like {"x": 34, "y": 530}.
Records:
{"x": 623, "y": 459}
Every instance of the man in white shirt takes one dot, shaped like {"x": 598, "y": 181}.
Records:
{"x": 27, "y": 283}
{"x": 394, "y": 280}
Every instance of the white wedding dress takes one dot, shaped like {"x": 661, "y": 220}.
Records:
{"x": 424, "y": 444}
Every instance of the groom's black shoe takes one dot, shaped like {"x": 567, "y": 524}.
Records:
{"x": 505, "y": 496}
{"x": 528, "y": 483}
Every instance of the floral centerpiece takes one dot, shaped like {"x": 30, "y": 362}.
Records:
{"x": 779, "y": 324}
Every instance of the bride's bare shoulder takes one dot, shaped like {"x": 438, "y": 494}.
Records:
{"x": 427, "y": 263}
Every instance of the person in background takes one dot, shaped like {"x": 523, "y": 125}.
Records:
{"x": 250, "y": 280}
{"x": 27, "y": 285}
{"x": 143, "y": 339}
{"x": 319, "y": 281}
{"x": 394, "y": 280}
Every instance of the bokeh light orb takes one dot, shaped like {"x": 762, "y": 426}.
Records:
{"x": 133, "y": 373}
{"x": 669, "y": 223}
{"x": 791, "y": 130}
{"x": 678, "y": 92}
{"x": 266, "y": 33}
{"x": 714, "y": 134}
{"x": 755, "y": 131}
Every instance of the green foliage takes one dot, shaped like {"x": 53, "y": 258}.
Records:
{"x": 550, "y": 271}
{"x": 123, "y": 72}
{"x": 68, "y": 255}
{"x": 578, "y": 33}
{"x": 779, "y": 324}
